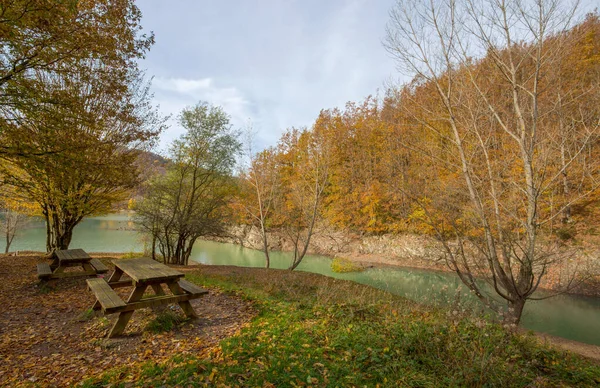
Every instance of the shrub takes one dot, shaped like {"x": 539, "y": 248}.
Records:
{"x": 343, "y": 265}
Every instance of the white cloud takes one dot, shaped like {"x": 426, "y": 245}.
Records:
{"x": 174, "y": 94}
{"x": 277, "y": 63}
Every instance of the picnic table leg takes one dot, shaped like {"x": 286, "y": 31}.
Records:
{"x": 186, "y": 306}
{"x": 119, "y": 326}
{"x": 125, "y": 316}
{"x": 158, "y": 290}
{"x": 116, "y": 275}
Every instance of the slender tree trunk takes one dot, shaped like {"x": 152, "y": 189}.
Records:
{"x": 153, "y": 245}
{"x": 265, "y": 245}
{"x": 566, "y": 216}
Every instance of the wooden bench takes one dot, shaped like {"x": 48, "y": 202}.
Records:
{"x": 44, "y": 271}
{"x": 191, "y": 288}
{"x": 110, "y": 301}
{"x": 99, "y": 266}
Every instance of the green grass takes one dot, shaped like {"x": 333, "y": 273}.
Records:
{"x": 321, "y": 332}
{"x": 133, "y": 255}
{"x": 165, "y": 321}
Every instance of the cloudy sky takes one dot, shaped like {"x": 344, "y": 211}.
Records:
{"x": 275, "y": 63}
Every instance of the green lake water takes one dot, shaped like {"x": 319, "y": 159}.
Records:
{"x": 572, "y": 317}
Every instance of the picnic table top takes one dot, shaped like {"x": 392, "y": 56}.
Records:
{"x": 146, "y": 270}
{"x": 72, "y": 255}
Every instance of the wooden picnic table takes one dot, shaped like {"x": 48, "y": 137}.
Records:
{"x": 63, "y": 259}
{"x": 142, "y": 273}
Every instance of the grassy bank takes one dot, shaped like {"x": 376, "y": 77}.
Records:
{"x": 317, "y": 331}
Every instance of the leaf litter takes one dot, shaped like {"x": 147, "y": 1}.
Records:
{"x": 48, "y": 337}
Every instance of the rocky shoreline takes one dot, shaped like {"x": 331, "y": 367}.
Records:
{"x": 397, "y": 250}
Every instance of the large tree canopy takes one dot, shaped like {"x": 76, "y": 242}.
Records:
{"x": 52, "y": 41}
{"x": 74, "y": 108}
{"x": 98, "y": 149}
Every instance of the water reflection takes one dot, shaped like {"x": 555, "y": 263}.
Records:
{"x": 572, "y": 317}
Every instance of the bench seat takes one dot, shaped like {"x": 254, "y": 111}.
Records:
{"x": 191, "y": 288}
{"x": 44, "y": 271}
{"x": 106, "y": 296}
{"x": 99, "y": 266}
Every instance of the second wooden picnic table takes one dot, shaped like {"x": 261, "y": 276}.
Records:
{"x": 142, "y": 273}
{"x": 69, "y": 258}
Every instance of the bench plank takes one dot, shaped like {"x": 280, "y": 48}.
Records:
{"x": 152, "y": 302}
{"x": 44, "y": 270}
{"x": 106, "y": 296}
{"x": 121, "y": 283}
{"x": 72, "y": 274}
{"x": 191, "y": 288}
{"x": 99, "y": 266}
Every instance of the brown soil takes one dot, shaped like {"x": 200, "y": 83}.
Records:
{"x": 46, "y": 339}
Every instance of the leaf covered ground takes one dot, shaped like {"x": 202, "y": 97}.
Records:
{"x": 49, "y": 338}
{"x": 266, "y": 328}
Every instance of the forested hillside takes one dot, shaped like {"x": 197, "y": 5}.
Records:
{"x": 491, "y": 148}
{"x": 389, "y": 157}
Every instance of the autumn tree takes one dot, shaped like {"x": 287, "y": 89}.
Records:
{"x": 95, "y": 167}
{"x": 190, "y": 200}
{"x": 365, "y": 164}
{"x": 16, "y": 212}
{"x": 260, "y": 192}
{"x": 304, "y": 167}
{"x": 59, "y": 39}
{"x": 485, "y": 95}
{"x": 74, "y": 108}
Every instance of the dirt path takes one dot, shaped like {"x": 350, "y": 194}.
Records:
{"x": 46, "y": 339}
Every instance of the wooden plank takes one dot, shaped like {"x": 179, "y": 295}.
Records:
{"x": 145, "y": 270}
{"x": 105, "y": 295}
{"x": 61, "y": 255}
{"x": 184, "y": 304}
{"x": 121, "y": 283}
{"x": 79, "y": 254}
{"x": 120, "y": 324}
{"x": 158, "y": 290}
{"x": 191, "y": 288}
{"x": 116, "y": 275}
{"x": 137, "y": 293}
{"x": 44, "y": 270}
{"x": 153, "y": 301}
{"x": 72, "y": 256}
{"x": 99, "y": 266}
{"x": 71, "y": 274}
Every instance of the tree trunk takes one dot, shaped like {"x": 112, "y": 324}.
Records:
{"x": 265, "y": 246}
{"x": 515, "y": 310}
{"x": 59, "y": 232}
{"x": 566, "y": 216}
{"x": 153, "y": 246}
